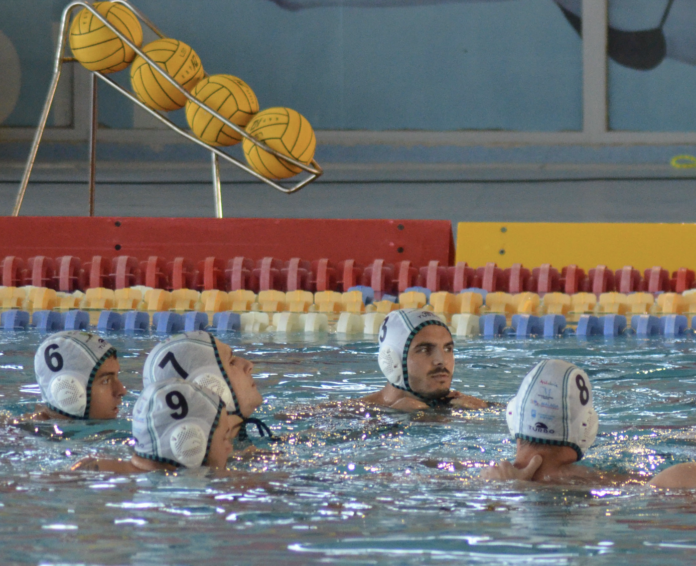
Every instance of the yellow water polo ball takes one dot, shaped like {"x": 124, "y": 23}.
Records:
{"x": 96, "y": 46}
{"x": 288, "y": 132}
{"x": 182, "y": 64}
{"x": 228, "y": 95}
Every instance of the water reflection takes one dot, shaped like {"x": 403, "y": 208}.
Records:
{"x": 352, "y": 484}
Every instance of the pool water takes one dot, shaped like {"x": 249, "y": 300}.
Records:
{"x": 357, "y": 487}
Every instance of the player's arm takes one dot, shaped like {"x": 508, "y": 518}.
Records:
{"x": 675, "y": 477}
{"x": 505, "y": 471}
{"x": 458, "y": 399}
{"x": 88, "y": 464}
{"x": 409, "y": 404}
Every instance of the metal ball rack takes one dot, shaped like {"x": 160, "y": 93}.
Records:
{"x": 313, "y": 170}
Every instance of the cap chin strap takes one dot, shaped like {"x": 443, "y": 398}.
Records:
{"x": 235, "y": 402}
{"x": 261, "y": 426}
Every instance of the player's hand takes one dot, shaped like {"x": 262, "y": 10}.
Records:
{"x": 458, "y": 399}
{"x": 504, "y": 471}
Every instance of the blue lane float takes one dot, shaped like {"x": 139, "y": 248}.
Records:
{"x": 14, "y": 320}
{"x": 47, "y": 321}
{"x": 368, "y": 293}
{"x": 554, "y": 325}
{"x": 492, "y": 325}
{"x": 136, "y": 321}
{"x": 110, "y": 321}
{"x": 76, "y": 320}
{"x": 227, "y": 321}
{"x": 613, "y": 324}
{"x": 526, "y": 325}
{"x": 195, "y": 321}
{"x": 673, "y": 325}
{"x": 168, "y": 322}
{"x": 588, "y": 325}
{"x": 645, "y": 325}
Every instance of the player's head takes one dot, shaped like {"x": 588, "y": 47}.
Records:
{"x": 180, "y": 423}
{"x": 553, "y": 407}
{"x": 199, "y": 357}
{"x": 78, "y": 375}
{"x": 416, "y": 353}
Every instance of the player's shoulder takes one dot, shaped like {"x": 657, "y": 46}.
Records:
{"x": 90, "y": 464}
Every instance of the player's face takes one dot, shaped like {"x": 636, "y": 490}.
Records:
{"x": 430, "y": 362}
{"x": 239, "y": 371}
{"x": 107, "y": 391}
{"x": 221, "y": 442}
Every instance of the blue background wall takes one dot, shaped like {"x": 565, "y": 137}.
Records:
{"x": 494, "y": 65}
{"x": 488, "y": 64}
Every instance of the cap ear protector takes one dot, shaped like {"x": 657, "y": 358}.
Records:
{"x": 189, "y": 444}
{"x": 217, "y": 385}
{"x": 67, "y": 394}
{"x": 390, "y": 363}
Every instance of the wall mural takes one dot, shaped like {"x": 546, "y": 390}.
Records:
{"x": 439, "y": 65}
{"x": 640, "y": 36}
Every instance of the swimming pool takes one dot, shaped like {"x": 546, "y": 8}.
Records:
{"x": 350, "y": 487}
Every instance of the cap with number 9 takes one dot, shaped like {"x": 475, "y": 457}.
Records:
{"x": 65, "y": 365}
{"x": 174, "y": 421}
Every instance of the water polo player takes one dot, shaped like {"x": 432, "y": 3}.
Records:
{"x": 553, "y": 420}
{"x": 78, "y": 376}
{"x": 199, "y": 357}
{"x": 416, "y": 354}
{"x": 176, "y": 424}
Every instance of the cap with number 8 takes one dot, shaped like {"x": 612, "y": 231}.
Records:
{"x": 65, "y": 365}
{"x": 554, "y": 406}
{"x": 174, "y": 421}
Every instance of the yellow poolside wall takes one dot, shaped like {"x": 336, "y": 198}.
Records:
{"x": 586, "y": 244}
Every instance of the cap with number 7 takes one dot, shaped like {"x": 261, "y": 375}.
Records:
{"x": 174, "y": 421}
{"x": 554, "y": 406}
{"x": 192, "y": 356}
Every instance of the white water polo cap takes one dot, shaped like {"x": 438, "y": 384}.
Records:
{"x": 174, "y": 422}
{"x": 395, "y": 336}
{"x": 65, "y": 365}
{"x": 192, "y": 356}
{"x": 554, "y": 406}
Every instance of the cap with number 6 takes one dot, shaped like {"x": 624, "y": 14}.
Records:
{"x": 174, "y": 422}
{"x": 554, "y": 406}
{"x": 192, "y": 356}
{"x": 65, "y": 365}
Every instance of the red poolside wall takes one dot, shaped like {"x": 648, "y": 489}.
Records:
{"x": 420, "y": 241}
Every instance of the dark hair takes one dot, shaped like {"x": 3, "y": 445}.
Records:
{"x": 537, "y": 445}
{"x": 546, "y": 446}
